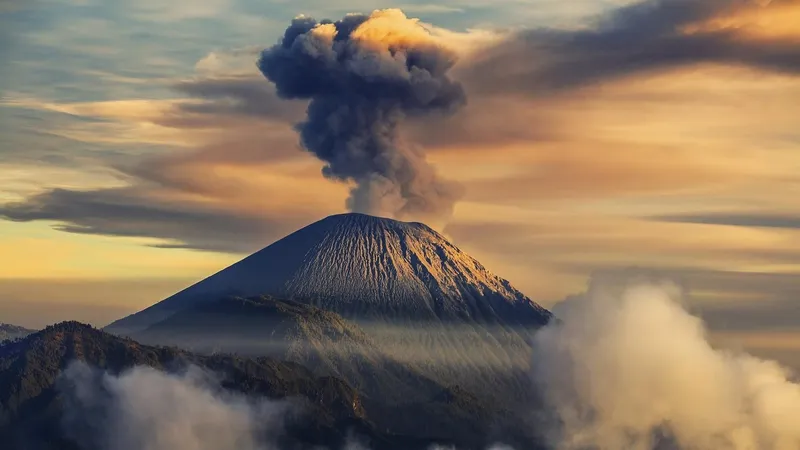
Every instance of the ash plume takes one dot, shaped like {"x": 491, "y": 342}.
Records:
{"x": 364, "y": 75}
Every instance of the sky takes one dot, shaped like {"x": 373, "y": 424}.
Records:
{"x": 141, "y": 149}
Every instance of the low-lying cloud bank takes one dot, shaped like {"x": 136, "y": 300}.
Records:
{"x": 628, "y": 367}
{"x": 145, "y": 409}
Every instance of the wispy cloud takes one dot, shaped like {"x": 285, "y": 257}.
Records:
{"x": 640, "y": 39}
{"x": 744, "y": 219}
{"x": 430, "y": 8}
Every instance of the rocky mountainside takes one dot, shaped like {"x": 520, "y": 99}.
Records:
{"x": 364, "y": 268}
{"x": 33, "y": 403}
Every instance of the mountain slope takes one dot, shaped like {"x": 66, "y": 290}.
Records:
{"x": 330, "y": 345}
{"x": 362, "y": 267}
{"x": 420, "y": 300}
{"x": 320, "y": 340}
{"x": 396, "y": 396}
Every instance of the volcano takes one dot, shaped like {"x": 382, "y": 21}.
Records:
{"x": 363, "y": 268}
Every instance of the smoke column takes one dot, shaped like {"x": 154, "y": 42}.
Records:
{"x": 628, "y": 368}
{"x": 364, "y": 75}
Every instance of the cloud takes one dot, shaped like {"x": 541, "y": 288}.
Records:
{"x": 235, "y": 101}
{"x": 764, "y": 340}
{"x": 226, "y": 192}
{"x": 591, "y": 240}
{"x": 646, "y": 37}
{"x": 243, "y": 96}
{"x": 131, "y": 212}
{"x": 740, "y": 278}
{"x": 788, "y": 221}
{"x": 147, "y": 409}
{"x": 628, "y": 367}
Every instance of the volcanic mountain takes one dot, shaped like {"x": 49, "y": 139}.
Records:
{"x": 399, "y": 397}
{"x": 364, "y": 268}
{"x": 411, "y": 307}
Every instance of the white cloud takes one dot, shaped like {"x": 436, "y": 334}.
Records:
{"x": 147, "y": 409}
{"x": 630, "y": 369}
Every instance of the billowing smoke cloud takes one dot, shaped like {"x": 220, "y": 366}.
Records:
{"x": 628, "y": 368}
{"x": 364, "y": 76}
{"x": 147, "y": 409}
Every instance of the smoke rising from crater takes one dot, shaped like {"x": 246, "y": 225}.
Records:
{"x": 364, "y": 75}
{"x": 628, "y": 368}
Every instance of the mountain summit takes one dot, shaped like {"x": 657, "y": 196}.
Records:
{"x": 362, "y": 267}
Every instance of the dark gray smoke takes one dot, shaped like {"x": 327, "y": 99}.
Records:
{"x": 364, "y": 75}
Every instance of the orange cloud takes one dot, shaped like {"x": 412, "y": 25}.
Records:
{"x": 768, "y": 19}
